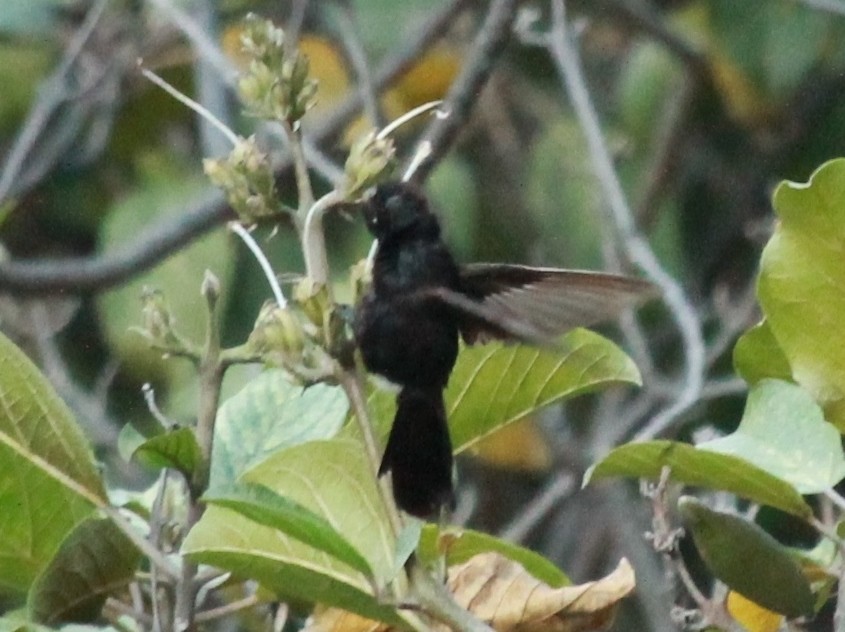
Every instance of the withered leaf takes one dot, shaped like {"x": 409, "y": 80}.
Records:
{"x": 504, "y": 595}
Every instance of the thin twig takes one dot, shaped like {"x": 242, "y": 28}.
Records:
{"x": 353, "y": 386}
{"x": 155, "y": 556}
{"x": 150, "y": 399}
{"x": 107, "y": 270}
{"x": 211, "y": 89}
{"x": 314, "y": 239}
{"x": 436, "y": 601}
{"x": 641, "y": 16}
{"x": 833, "y": 496}
{"x": 230, "y": 608}
{"x": 241, "y": 232}
{"x": 350, "y": 38}
{"x": 124, "y": 609}
{"x": 560, "y": 45}
{"x": 492, "y": 37}
{"x": 534, "y": 511}
{"x": 192, "y": 105}
{"x": 52, "y": 93}
{"x": 664, "y": 538}
{"x": 200, "y": 40}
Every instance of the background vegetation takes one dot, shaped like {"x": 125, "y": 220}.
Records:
{"x": 704, "y": 107}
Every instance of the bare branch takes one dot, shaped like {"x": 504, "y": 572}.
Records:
{"x": 104, "y": 271}
{"x": 492, "y": 37}
{"x": 564, "y": 53}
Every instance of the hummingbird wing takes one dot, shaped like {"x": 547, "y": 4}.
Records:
{"x": 513, "y": 302}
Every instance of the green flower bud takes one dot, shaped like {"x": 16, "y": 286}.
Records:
{"x": 155, "y": 315}
{"x": 246, "y": 177}
{"x": 371, "y": 159}
{"x": 313, "y": 298}
{"x": 278, "y": 331}
{"x": 276, "y": 85}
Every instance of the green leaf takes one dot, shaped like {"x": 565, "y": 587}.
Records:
{"x": 264, "y": 506}
{"x": 494, "y": 385}
{"x": 48, "y": 477}
{"x": 269, "y": 414}
{"x": 129, "y": 440}
{"x": 94, "y": 561}
{"x": 333, "y": 479}
{"x": 701, "y": 468}
{"x": 407, "y": 542}
{"x": 784, "y": 432}
{"x": 802, "y": 284}
{"x": 177, "y": 449}
{"x": 758, "y": 355}
{"x": 748, "y": 559}
{"x": 463, "y": 544}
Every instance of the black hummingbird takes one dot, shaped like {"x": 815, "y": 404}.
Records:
{"x": 420, "y": 301}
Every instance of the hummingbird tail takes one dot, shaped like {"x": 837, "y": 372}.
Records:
{"x": 419, "y": 453}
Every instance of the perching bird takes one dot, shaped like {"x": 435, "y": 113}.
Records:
{"x": 407, "y": 327}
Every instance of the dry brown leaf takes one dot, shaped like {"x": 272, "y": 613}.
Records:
{"x": 503, "y": 594}
{"x": 337, "y": 620}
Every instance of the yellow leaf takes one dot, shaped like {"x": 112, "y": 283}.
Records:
{"x": 743, "y": 100}
{"x": 429, "y": 79}
{"x": 519, "y": 446}
{"x": 753, "y": 617}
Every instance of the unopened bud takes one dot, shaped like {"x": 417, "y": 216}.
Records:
{"x": 371, "y": 159}
{"x": 278, "y": 330}
{"x": 155, "y": 314}
{"x": 313, "y": 299}
{"x": 210, "y": 288}
{"x": 276, "y": 85}
{"x": 360, "y": 275}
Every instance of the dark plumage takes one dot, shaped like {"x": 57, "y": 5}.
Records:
{"x": 420, "y": 301}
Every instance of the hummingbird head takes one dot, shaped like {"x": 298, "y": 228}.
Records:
{"x": 399, "y": 208}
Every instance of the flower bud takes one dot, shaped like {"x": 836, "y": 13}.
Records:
{"x": 371, "y": 159}
{"x": 155, "y": 314}
{"x": 276, "y": 85}
{"x": 313, "y": 299}
{"x": 278, "y": 330}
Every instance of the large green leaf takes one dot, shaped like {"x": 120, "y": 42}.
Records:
{"x": 701, "y": 468}
{"x": 784, "y": 432}
{"x": 758, "y": 355}
{"x": 269, "y": 414}
{"x": 333, "y": 479}
{"x": 94, "y": 561}
{"x": 494, "y": 385}
{"x": 748, "y": 559}
{"x": 460, "y": 545}
{"x": 48, "y": 479}
{"x": 264, "y": 506}
{"x": 802, "y": 284}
